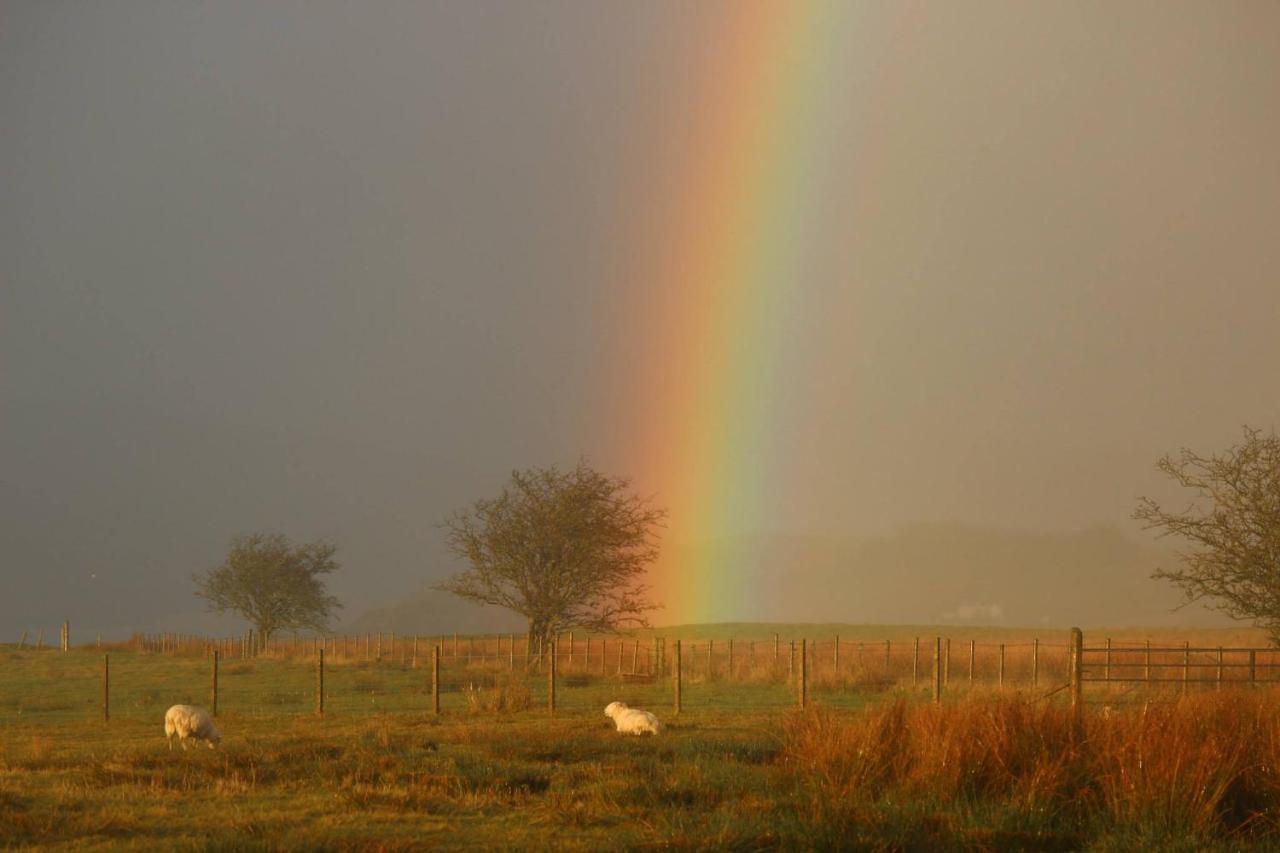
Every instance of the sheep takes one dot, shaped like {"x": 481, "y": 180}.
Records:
{"x": 188, "y": 721}
{"x": 632, "y": 721}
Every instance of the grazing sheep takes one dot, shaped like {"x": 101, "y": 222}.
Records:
{"x": 632, "y": 721}
{"x": 188, "y": 721}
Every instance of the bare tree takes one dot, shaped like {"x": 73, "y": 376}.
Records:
{"x": 273, "y": 583}
{"x": 1232, "y": 528}
{"x": 563, "y": 549}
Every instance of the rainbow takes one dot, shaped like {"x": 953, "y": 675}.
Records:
{"x": 741, "y": 188}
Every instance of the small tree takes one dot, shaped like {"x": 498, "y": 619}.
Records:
{"x": 1232, "y": 526}
{"x": 272, "y": 582}
{"x": 564, "y": 550}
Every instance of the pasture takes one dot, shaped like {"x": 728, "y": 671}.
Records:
{"x": 868, "y": 765}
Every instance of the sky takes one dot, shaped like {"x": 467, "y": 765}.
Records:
{"x": 806, "y": 269}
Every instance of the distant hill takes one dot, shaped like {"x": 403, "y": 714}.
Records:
{"x": 923, "y": 574}
{"x": 955, "y": 574}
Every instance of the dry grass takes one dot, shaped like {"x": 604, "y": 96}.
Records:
{"x": 1201, "y": 769}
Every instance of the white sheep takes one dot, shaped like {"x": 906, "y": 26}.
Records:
{"x": 188, "y": 721}
{"x": 632, "y": 721}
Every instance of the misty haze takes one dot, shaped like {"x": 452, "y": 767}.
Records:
{"x": 337, "y": 275}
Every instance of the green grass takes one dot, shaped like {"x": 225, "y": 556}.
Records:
{"x": 739, "y": 768}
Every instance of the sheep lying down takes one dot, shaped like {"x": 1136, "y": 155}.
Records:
{"x": 632, "y": 721}
{"x": 188, "y": 721}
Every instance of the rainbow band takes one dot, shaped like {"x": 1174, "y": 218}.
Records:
{"x": 745, "y": 183}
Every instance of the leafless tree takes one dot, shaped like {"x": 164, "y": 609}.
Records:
{"x": 1231, "y": 527}
{"x": 273, "y": 583}
{"x": 563, "y": 549}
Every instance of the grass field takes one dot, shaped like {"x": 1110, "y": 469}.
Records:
{"x": 867, "y": 767}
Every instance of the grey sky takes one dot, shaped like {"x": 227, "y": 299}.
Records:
{"x": 335, "y": 269}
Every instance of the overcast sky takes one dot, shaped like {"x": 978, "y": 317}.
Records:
{"x": 335, "y": 269}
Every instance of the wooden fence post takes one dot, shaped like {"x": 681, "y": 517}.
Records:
{"x": 1219, "y": 683}
{"x": 775, "y": 651}
{"x": 915, "y": 665}
{"x": 551, "y": 677}
{"x": 946, "y": 663}
{"x": 1106, "y": 669}
{"x": 1077, "y": 676}
{"x": 937, "y": 670}
{"x": 1186, "y": 664}
{"x": 1035, "y": 662}
{"x": 791, "y": 660}
{"x": 731, "y": 658}
{"x": 888, "y": 658}
{"x": 675, "y": 676}
{"x": 804, "y": 672}
{"x": 711, "y": 663}
{"x": 106, "y": 688}
{"x": 435, "y": 679}
{"x": 214, "y": 697}
{"x": 1146, "y": 667}
{"x": 973, "y": 655}
{"x": 320, "y": 683}
{"x": 835, "y": 658}
{"x": 635, "y": 655}
{"x": 1253, "y": 667}
{"x": 1002, "y": 666}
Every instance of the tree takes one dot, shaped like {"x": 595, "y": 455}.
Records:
{"x": 1232, "y": 527}
{"x": 563, "y": 549}
{"x": 272, "y": 582}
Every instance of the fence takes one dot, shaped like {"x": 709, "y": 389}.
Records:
{"x": 451, "y": 674}
{"x": 1176, "y": 667}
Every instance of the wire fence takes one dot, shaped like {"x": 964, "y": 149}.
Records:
{"x": 455, "y": 674}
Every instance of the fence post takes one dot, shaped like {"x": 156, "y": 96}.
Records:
{"x": 635, "y": 655}
{"x": 675, "y": 676}
{"x": 1106, "y": 669}
{"x": 414, "y": 664}
{"x": 937, "y": 670}
{"x": 1253, "y": 667}
{"x": 106, "y": 688}
{"x": 804, "y": 672}
{"x": 320, "y": 683}
{"x": 888, "y": 658}
{"x": 214, "y": 697}
{"x": 1186, "y": 664}
{"x": 551, "y": 677}
{"x": 1002, "y": 666}
{"x": 775, "y": 651}
{"x": 946, "y": 663}
{"x": 1077, "y": 673}
{"x": 435, "y": 679}
{"x": 973, "y": 656}
{"x": 711, "y": 661}
{"x": 731, "y": 658}
{"x": 791, "y": 660}
{"x": 1035, "y": 661}
{"x": 1219, "y": 684}
{"x": 835, "y": 659}
{"x": 915, "y": 665}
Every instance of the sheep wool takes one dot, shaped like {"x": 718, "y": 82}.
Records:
{"x": 632, "y": 721}
{"x": 188, "y": 721}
